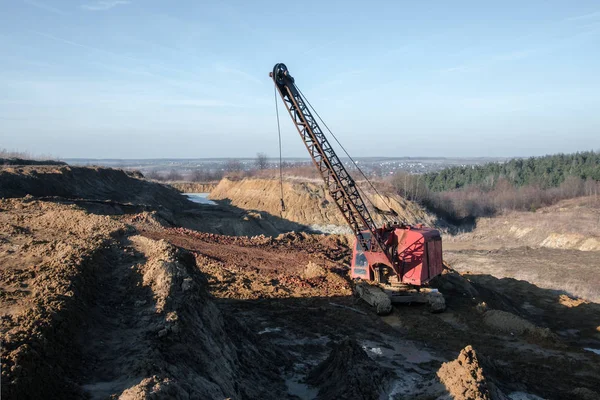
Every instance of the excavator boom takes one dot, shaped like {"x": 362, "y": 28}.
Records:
{"x": 340, "y": 185}
{"x": 398, "y": 254}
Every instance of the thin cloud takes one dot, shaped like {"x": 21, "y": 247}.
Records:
{"x": 585, "y": 17}
{"x": 493, "y": 60}
{"x": 44, "y": 7}
{"x": 123, "y": 56}
{"x": 242, "y": 74}
{"x": 69, "y": 42}
{"x": 320, "y": 46}
{"x": 103, "y": 5}
{"x": 203, "y": 103}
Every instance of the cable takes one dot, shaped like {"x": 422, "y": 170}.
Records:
{"x": 280, "y": 158}
{"x": 351, "y": 159}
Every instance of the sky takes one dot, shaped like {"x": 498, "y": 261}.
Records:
{"x": 164, "y": 79}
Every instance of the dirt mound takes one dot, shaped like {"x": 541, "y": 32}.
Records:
{"x": 466, "y": 379}
{"x": 585, "y": 394}
{"x": 290, "y": 265}
{"x": 349, "y": 373}
{"x": 88, "y": 310}
{"x": 48, "y": 254}
{"x": 306, "y": 202}
{"x": 451, "y": 281}
{"x": 116, "y": 192}
{"x": 166, "y": 335}
{"x": 506, "y": 322}
{"x": 88, "y": 183}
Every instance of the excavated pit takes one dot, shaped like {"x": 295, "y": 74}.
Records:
{"x": 151, "y": 301}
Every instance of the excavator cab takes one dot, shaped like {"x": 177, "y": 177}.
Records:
{"x": 415, "y": 251}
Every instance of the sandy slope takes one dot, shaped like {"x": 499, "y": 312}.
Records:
{"x": 307, "y": 203}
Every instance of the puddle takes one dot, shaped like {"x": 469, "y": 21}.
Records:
{"x": 269, "y": 330}
{"x": 597, "y": 351}
{"x": 297, "y": 388}
{"x": 319, "y": 341}
{"x": 200, "y": 198}
{"x": 451, "y": 320}
{"x": 524, "y": 396}
{"x": 392, "y": 320}
{"x": 403, "y": 387}
{"x": 400, "y": 351}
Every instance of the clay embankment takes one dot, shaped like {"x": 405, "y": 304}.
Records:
{"x": 571, "y": 224}
{"x": 556, "y": 247}
{"x": 194, "y": 187}
{"x": 116, "y": 192}
{"x": 307, "y": 203}
{"x": 89, "y": 308}
{"x": 92, "y": 183}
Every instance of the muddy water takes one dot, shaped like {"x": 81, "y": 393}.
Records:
{"x": 200, "y": 198}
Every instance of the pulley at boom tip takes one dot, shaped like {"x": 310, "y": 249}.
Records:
{"x": 279, "y": 72}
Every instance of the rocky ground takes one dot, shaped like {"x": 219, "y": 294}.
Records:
{"x": 119, "y": 298}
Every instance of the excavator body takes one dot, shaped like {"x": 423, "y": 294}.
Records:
{"x": 414, "y": 256}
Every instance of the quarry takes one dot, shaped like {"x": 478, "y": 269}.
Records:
{"x": 115, "y": 286}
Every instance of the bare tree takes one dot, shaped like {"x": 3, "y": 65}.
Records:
{"x": 261, "y": 161}
{"x": 572, "y": 187}
{"x": 154, "y": 175}
{"x": 174, "y": 175}
{"x": 199, "y": 175}
{"x": 233, "y": 165}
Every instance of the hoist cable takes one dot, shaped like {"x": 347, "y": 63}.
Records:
{"x": 351, "y": 159}
{"x": 280, "y": 157}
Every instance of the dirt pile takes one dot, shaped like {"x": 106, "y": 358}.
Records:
{"x": 306, "y": 202}
{"x": 48, "y": 254}
{"x": 506, "y": 322}
{"x": 88, "y": 309}
{"x": 349, "y": 373}
{"x": 290, "y": 265}
{"x": 166, "y": 335}
{"x": 466, "y": 379}
{"x": 88, "y": 183}
{"x": 116, "y": 192}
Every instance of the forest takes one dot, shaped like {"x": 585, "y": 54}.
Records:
{"x": 545, "y": 172}
{"x": 463, "y": 193}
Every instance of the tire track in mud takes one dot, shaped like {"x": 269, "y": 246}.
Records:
{"x": 116, "y": 340}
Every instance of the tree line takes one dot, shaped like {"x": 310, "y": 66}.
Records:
{"x": 464, "y": 193}
{"x": 544, "y": 172}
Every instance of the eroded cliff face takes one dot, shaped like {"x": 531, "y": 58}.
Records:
{"x": 306, "y": 202}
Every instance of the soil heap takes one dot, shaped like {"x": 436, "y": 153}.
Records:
{"x": 89, "y": 308}
{"x": 465, "y": 378}
{"x": 349, "y": 373}
{"x": 306, "y": 202}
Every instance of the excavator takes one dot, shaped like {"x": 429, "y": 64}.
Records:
{"x": 393, "y": 263}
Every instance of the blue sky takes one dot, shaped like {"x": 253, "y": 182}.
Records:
{"x": 156, "y": 78}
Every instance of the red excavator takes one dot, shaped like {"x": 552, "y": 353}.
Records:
{"x": 398, "y": 258}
